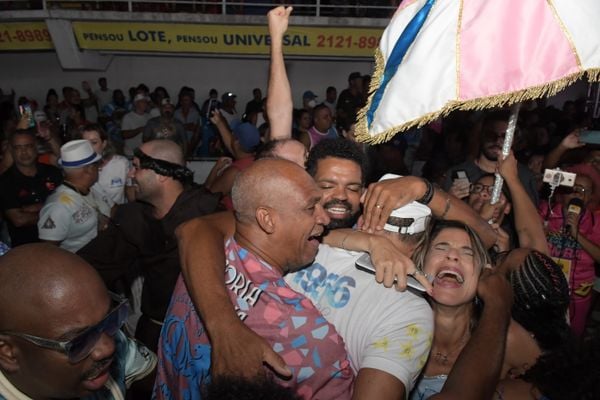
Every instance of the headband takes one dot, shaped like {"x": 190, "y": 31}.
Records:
{"x": 162, "y": 167}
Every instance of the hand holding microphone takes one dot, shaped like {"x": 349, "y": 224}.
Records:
{"x": 574, "y": 209}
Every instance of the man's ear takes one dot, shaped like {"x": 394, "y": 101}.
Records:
{"x": 8, "y": 355}
{"x": 162, "y": 178}
{"x": 266, "y": 219}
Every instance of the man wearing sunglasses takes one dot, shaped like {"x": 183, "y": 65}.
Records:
{"x": 60, "y": 331}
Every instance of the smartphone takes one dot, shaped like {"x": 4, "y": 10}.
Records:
{"x": 364, "y": 264}
{"x": 592, "y": 137}
{"x": 460, "y": 174}
{"x": 461, "y": 180}
{"x": 212, "y": 106}
{"x": 25, "y": 109}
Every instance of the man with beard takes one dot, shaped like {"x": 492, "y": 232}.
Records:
{"x": 143, "y": 232}
{"x": 60, "y": 334}
{"x": 166, "y": 126}
{"x": 493, "y": 131}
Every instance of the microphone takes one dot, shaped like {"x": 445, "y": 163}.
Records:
{"x": 575, "y": 206}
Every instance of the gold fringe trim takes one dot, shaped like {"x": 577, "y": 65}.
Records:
{"x": 549, "y": 89}
{"x": 361, "y": 131}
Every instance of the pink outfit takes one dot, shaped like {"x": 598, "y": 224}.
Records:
{"x": 565, "y": 250}
{"x": 316, "y": 136}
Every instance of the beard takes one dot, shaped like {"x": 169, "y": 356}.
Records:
{"x": 340, "y": 223}
{"x": 491, "y": 151}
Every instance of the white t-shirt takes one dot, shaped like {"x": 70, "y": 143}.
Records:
{"x": 70, "y": 218}
{"x": 133, "y": 120}
{"x": 232, "y": 119}
{"x": 103, "y": 97}
{"x": 112, "y": 179}
{"x": 383, "y": 329}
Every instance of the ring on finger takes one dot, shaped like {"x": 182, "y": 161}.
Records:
{"x": 378, "y": 206}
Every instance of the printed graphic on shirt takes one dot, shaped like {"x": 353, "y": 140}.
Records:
{"x": 317, "y": 285}
{"x": 49, "y": 224}
{"x": 65, "y": 199}
{"x": 82, "y": 215}
{"x": 116, "y": 182}
{"x": 308, "y": 344}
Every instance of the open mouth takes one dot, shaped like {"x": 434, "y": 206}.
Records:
{"x": 316, "y": 237}
{"x": 450, "y": 276}
{"x": 338, "y": 211}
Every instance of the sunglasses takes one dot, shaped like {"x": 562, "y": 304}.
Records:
{"x": 81, "y": 346}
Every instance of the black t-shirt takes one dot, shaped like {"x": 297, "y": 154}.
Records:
{"x": 349, "y": 103}
{"x": 18, "y": 190}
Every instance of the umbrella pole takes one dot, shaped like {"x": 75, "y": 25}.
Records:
{"x": 506, "y": 146}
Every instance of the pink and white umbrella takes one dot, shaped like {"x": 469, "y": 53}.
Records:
{"x": 437, "y": 56}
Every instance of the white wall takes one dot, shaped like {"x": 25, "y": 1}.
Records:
{"x": 32, "y": 74}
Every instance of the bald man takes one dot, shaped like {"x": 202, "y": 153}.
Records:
{"x": 279, "y": 221}
{"x": 143, "y": 232}
{"x": 59, "y": 330}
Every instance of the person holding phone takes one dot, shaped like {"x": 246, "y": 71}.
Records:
{"x": 491, "y": 135}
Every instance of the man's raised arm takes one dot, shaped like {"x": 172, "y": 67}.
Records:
{"x": 279, "y": 94}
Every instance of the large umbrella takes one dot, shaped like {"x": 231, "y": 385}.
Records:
{"x": 437, "y": 56}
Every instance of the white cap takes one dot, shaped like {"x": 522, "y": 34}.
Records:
{"x": 140, "y": 96}
{"x": 415, "y": 215}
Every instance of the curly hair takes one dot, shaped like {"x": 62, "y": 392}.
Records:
{"x": 337, "y": 148}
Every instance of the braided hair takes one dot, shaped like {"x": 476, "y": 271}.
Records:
{"x": 541, "y": 299}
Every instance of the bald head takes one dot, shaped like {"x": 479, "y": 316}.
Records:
{"x": 41, "y": 277}
{"x": 269, "y": 183}
{"x": 278, "y": 212}
{"x": 166, "y": 150}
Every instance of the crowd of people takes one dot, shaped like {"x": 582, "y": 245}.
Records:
{"x": 247, "y": 286}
